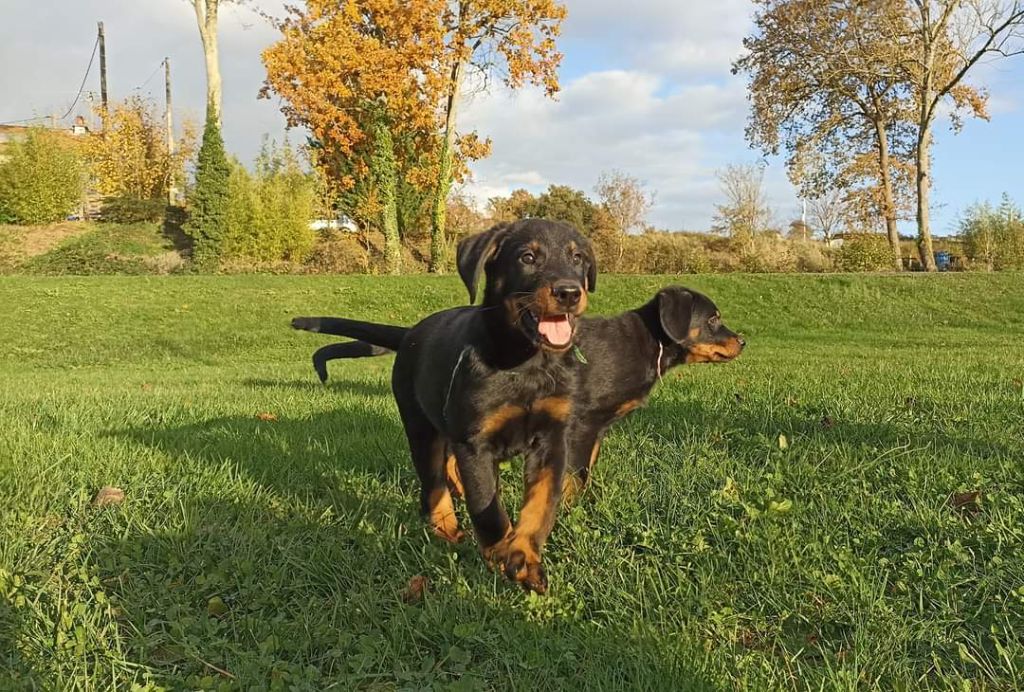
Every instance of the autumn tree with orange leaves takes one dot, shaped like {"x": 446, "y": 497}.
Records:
{"x": 483, "y": 38}
{"x": 363, "y": 76}
{"x": 344, "y": 67}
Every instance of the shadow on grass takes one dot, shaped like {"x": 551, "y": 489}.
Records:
{"x": 361, "y": 387}
{"x": 173, "y": 230}
{"x": 256, "y": 594}
{"x": 299, "y": 572}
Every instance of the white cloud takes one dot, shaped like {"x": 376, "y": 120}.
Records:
{"x": 634, "y": 121}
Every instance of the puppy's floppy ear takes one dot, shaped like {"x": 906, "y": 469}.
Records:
{"x": 675, "y": 308}
{"x": 474, "y": 252}
{"x": 591, "y": 259}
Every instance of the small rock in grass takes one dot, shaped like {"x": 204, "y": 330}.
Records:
{"x": 108, "y": 495}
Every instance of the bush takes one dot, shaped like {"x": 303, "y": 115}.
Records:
{"x": 132, "y": 210}
{"x": 268, "y": 212}
{"x": 130, "y": 157}
{"x": 43, "y": 179}
{"x": 864, "y": 252}
{"x": 209, "y": 202}
{"x": 994, "y": 238}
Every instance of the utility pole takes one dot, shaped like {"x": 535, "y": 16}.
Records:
{"x": 172, "y": 193}
{"x": 103, "y": 73}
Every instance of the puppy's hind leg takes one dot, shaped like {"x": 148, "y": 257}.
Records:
{"x": 428, "y": 456}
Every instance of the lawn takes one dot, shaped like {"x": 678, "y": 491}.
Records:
{"x": 842, "y": 507}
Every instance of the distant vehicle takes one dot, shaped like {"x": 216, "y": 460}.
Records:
{"x": 943, "y": 261}
{"x": 341, "y": 223}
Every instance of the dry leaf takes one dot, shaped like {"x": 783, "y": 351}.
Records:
{"x": 783, "y": 442}
{"x": 268, "y": 417}
{"x": 108, "y": 495}
{"x": 968, "y": 502}
{"x": 827, "y": 422}
{"x": 416, "y": 588}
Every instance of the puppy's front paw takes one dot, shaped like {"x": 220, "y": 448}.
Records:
{"x": 309, "y": 324}
{"x": 519, "y": 561}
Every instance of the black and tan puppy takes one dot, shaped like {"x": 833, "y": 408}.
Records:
{"x": 490, "y": 382}
{"x": 625, "y": 357}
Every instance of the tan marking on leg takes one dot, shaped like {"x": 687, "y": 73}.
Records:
{"x": 454, "y": 479}
{"x": 558, "y": 407}
{"x": 442, "y": 516}
{"x": 628, "y": 406}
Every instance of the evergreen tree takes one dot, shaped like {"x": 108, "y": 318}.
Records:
{"x": 209, "y": 203}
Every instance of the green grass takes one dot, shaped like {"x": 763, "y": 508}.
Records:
{"x": 106, "y": 248}
{"x": 706, "y": 554}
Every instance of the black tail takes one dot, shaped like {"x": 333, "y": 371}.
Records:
{"x": 349, "y": 349}
{"x": 384, "y": 335}
{"x": 374, "y": 339}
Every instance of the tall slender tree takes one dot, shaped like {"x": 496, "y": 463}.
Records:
{"x": 483, "y": 37}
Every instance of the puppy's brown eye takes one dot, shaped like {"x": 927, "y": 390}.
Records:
{"x": 577, "y": 258}
{"x": 713, "y": 322}
{"x": 528, "y": 258}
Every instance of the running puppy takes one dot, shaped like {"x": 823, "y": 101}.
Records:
{"x": 491, "y": 382}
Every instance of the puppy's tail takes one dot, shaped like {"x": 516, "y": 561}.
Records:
{"x": 374, "y": 339}
{"x": 384, "y": 335}
{"x": 349, "y": 349}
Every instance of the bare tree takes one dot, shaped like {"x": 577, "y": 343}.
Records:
{"x": 940, "y": 42}
{"x": 745, "y": 212}
{"x": 625, "y": 198}
{"x": 829, "y": 213}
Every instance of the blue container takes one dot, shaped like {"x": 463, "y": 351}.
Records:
{"x": 943, "y": 261}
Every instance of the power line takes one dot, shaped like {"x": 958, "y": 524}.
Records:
{"x": 151, "y": 75}
{"x": 74, "y": 103}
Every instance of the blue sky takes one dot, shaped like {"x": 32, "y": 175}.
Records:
{"x": 647, "y": 91}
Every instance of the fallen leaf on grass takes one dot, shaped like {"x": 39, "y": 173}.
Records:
{"x": 146, "y": 386}
{"x": 968, "y": 502}
{"x": 268, "y": 417}
{"x": 783, "y": 442}
{"x": 108, "y": 495}
{"x": 216, "y": 607}
{"x": 416, "y": 588}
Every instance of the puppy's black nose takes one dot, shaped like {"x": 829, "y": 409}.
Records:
{"x": 567, "y": 292}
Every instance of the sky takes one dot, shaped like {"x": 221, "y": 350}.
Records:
{"x": 646, "y": 91}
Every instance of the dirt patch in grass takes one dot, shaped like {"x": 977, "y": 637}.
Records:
{"x": 19, "y": 243}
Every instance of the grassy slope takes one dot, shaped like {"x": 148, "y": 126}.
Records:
{"x": 705, "y": 555}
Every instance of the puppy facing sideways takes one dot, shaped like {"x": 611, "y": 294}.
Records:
{"x": 625, "y": 356}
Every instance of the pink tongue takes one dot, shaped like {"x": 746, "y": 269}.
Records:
{"x": 556, "y": 330}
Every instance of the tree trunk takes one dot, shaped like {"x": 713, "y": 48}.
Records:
{"x": 206, "y": 15}
{"x": 924, "y": 232}
{"x": 438, "y": 219}
{"x": 386, "y": 174}
{"x": 888, "y": 201}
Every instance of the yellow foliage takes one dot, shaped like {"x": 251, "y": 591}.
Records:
{"x": 129, "y": 157}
